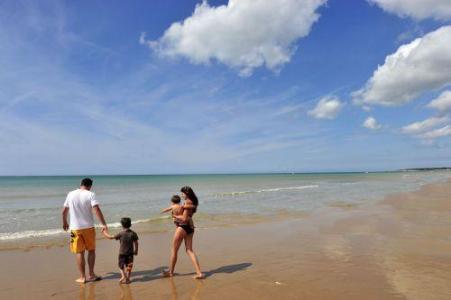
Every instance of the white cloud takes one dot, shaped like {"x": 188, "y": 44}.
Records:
{"x": 371, "y": 123}
{"x": 244, "y": 34}
{"x": 442, "y": 103}
{"x": 418, "y": 9}
{"x": 422, "y": 126}
{"x": 414, "y": 68}
{"x": 327, "y": 108}
{"x": 436, "y": 133}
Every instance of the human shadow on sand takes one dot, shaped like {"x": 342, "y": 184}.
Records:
{"x": 145, "y": 275}
{"x": 225, "y": 269}
{"x": 149, "y": 275}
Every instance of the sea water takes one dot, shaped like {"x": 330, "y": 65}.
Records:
{"x": 30, "y": 207}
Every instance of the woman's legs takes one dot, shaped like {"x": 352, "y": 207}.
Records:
{"x": 176, "y": 242}
{"x": 192, "y": 255}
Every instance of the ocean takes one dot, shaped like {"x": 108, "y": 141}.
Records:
{"x": 30, "y": 207}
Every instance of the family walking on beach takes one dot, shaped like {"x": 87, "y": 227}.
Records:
{"x": 81, "y": 205}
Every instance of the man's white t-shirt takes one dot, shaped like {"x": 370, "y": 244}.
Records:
{"x": 80, "y": 203}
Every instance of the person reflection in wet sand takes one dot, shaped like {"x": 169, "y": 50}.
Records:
{"x": 88, "y": 291}
{"x": 194, "y": 293}
{"x": 126, "y": 292}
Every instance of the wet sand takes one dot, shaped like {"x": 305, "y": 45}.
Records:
{"x": 399, "y": 248}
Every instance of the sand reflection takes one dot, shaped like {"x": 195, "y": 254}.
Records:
{"x": 126, "y": 292}
{"x": 87, "y": 291}
{"x": 194, "y": 292}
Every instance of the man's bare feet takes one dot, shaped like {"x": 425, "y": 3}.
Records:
{"x": 81, "y": 280}
{"x": 93, "y": 278}
{"x": 199, "y": 276}
{"x": 167, "y": 274}
{"x": 122, "y": 280}
{"x": 128, "y": 281}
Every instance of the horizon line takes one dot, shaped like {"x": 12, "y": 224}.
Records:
{"x": 418, "y": 169}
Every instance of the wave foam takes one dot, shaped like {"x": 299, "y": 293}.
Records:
{"x": 7, "y": 236}
{"x": 302, "y": 187}
{"x": 10, "y": 236}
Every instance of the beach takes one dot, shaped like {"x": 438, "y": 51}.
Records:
{"x": 398, "y": 247}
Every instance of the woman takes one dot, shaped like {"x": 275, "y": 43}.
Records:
{"x": 185, "y": 231}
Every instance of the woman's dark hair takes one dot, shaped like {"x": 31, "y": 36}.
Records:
{"x": 191, "y": 196}
{"x": 126, "y": 223}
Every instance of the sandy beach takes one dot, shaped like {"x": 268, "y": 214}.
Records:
{"x": 399, "y": 248}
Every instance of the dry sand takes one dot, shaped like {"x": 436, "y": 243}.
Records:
{"x": 399, "y": 248}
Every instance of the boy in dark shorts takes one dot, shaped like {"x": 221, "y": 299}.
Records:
{"x": 128, "y": 248}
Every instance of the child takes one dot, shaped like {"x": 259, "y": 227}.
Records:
{"x": 176, "y": 209}
{"x": 128, "y": 247}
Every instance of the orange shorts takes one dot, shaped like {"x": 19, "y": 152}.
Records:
{"x": 82, "y": 239}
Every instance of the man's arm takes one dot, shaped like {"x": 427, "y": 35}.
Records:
{"x": 64, "y": 214}
{"x": 99, "y": 215}
{"x": 107, "y": 235}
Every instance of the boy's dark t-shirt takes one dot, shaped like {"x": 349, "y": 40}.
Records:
{"x": 126, "y": 238}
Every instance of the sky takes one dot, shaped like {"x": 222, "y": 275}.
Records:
{"x": 238, "y": 86}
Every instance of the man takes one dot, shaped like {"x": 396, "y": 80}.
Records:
{"x": 80, "y": 204}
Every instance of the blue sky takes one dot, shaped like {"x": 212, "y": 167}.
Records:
{"x": 157, "y": 87}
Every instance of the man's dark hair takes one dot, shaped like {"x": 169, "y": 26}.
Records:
{"x": 176, "y": 199}
{"x": 87, "y": 182}
{"x": 126, "y": 223}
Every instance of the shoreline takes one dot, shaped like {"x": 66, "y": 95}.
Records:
{"x": 399, "y": 248}
{"x": 56, "y": 237}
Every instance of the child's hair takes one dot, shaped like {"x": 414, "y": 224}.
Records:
{"x": 176, "y": 199}
{"x": 126, "y": 222}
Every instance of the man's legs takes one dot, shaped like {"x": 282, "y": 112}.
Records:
{"x": 81, "y": 266}
{"x": 91, "y": 263}
{"x": 89, "y": 236}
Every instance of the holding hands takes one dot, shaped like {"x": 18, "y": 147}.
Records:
{"x": 106, "y": 233}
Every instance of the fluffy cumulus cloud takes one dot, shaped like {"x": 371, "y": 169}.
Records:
{"x": 327, "y": 108}
{"x": 418, "y": 9}
{"x": 414, "y": 68}
{"x": 442, "y": 103}
{"x": 371, "y": 123}
{"x": 244, "y": 34}
{"x": 425, "y": 125}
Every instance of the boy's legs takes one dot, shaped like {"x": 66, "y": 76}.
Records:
{"x": 128, "y": 272}
{"x": 123, "y": 276}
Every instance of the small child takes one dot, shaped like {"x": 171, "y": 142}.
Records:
{"x": 128, "y": 248}
{"x": 177, "y": 210}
